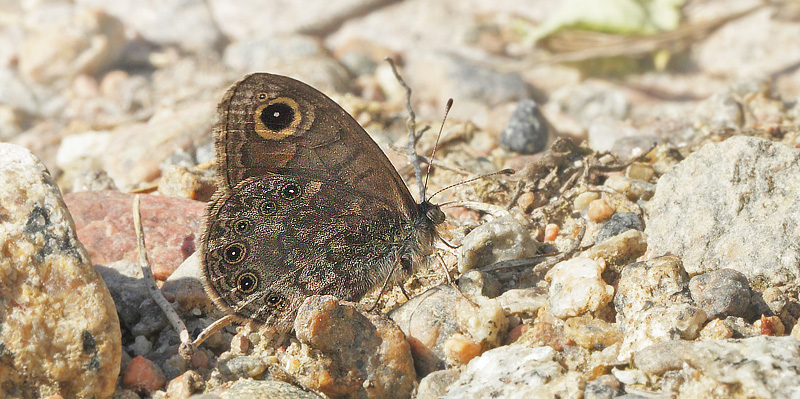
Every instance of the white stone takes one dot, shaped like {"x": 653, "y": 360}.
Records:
{"x": 83, "y": 149}
{"x": 508, "y": 372}
{"x": 577, "y": 287}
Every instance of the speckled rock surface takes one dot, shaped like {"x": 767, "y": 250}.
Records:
{"x": 59, "y": 329}
{"x": 761, "y": 367}
{"x": 653, "y": 305}
{"x": 254, "y": 389}
{"x": 509, "y": 372}
{"x": 733, "y": 205}
{"x": 346, "y": 353}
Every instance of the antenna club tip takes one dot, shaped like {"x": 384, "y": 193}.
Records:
{"x": 449, "y": 103}
{"x": 508, "y": 171}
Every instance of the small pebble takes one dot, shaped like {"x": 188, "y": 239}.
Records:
{"x": 721, "y": 293}
{"x": 143, "y": 376}
{"x": 640, "y": 171}
{"x": 716, "y": 329}
{"x": 619, "y": 222}
{"x": 460, "y": 349}
{"x": 599, "y": 210}
{"x": 577, "y": 287}
{"x": 240, "y": 343}
{"x": 141, "y": 346}
{"x": 619, "y": 183}
{"x": 527, "y": 131}
{"x": 583, "y": 200}
{"x": 770, "y": 325}
{"x": 185, "y": 385}
{"x": 526, "y": 201}
{"x": 591, "y": 333}
{"x": 199, "y": 359}
{"x": 550, "y": 232}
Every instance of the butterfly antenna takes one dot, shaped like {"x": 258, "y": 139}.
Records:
{"x": 412, "y": 125}
{"x": 505, "y": 172}
{"x": 436, "y": 145}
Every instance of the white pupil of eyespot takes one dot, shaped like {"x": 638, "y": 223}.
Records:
{"x": 276, "y": 114}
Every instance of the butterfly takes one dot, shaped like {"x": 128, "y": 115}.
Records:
{"x": 306, "y": 204}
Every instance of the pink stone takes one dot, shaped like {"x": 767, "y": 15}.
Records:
{"x": 104, "y": 223}
{"x": 143, "y": 376}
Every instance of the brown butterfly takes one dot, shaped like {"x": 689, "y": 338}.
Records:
{"x": 307, "y": 203}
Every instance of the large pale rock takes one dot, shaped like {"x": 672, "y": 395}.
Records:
{"x": 734, "y": 204}
{"x": 59, "y": 330}
{"x": 758, "y": 367}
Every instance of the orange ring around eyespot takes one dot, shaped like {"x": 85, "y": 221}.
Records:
{"x": 239, "y": 284}
{"x": 290, "y": 130}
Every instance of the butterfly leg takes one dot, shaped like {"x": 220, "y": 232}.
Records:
{"x": 383, "y": 289}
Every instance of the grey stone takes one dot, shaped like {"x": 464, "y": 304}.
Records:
{"x": 479, "y": 83}
{"x": 300, "y": 57}
{"x": 495, "y": 241}
{"x": 242, "y": 367}
{"x": 734, "y": 204}
{"x": 721, "y": 293}
{"x": 435, "y": 384}
{"x": 591, "y": 100}
{"x": 527, "y": 131}
{"x": 252, "y": 389}
{"x": 186, "y": 23}
{"x": 619, "y": 222}
{"x": 720, "y": 111}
